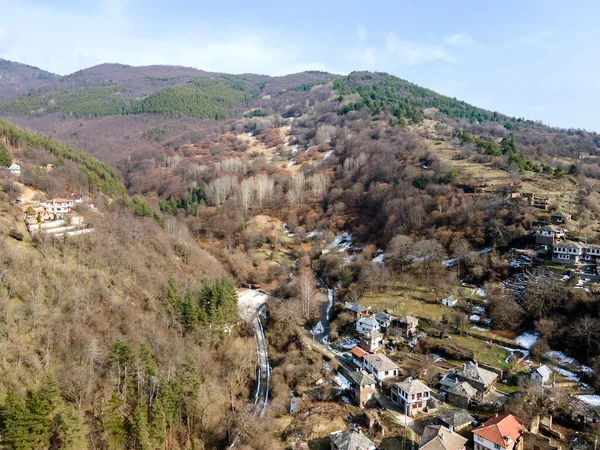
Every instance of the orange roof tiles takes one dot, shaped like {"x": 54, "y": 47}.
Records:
{"x": 500, "y": 427}
{"x": 358, "y": 352}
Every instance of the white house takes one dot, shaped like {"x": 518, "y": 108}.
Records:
{"x": 549, "y": 235}
{"x": 58, "y": 206}
{"x": 541, "y": 375}
{"x": 366, "y": 325}
{"x": 380, "y": 366}
{"x": 450, "y": 301}
{"x": 503, "y": 432}
{"x": 14, "y": 169}
{"x": 411, "y": 394}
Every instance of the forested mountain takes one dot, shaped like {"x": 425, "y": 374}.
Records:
{"x": 17, "y": 79}
{"x": 129, "y": 337}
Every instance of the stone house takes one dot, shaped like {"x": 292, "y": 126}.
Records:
{"x": 380, "y": 366}
{"x": 412, "y": 395}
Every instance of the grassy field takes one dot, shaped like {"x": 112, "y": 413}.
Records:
{"x": 492, "y": 355}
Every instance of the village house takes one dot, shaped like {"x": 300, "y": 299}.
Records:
{"x": 58, "y": 206}
{"x": 385, "y": 320}
{"x": 364, "y": 386}
{"x": 412, "y": 395}
{"x": 503, "y": 432}
{"x": 14, "y": 169}
{"x": 357, "y": 311}
{"x": 47, "y": 167}
{"x": 560, "y": 217}
{"x": 541, "y": 375}
{"x": 438, "y": 437}
{"x": 481, "y": 379}
{"x": 76, "y": 198}
{"x": 450, "y": 301}
{"x": 549, "y": 235}
{"x": 371, "y": 341}
{"x": 366, "y": 325}
{"x": 458, "y": 392}
{"x": 357, "y": 356}
{"x": 456, "y": 419}
{"x": 380, "y": 366}
{"x": 408, "y": 325}
{"x": 571, "y": 252}
{"x": 350, "y": 440}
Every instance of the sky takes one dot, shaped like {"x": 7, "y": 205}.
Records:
{"x": 533, "y": 59}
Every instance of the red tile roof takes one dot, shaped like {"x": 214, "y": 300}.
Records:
{"x": 498, "y": 429}
{"x": 358, "y": 352}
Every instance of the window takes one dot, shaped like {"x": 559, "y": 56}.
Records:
{"x": 413, "y": 396}
{"x": 419, "y": 396}
{"x": 496, "y": 446}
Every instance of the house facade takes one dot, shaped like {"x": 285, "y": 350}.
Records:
{"x": 357, "y": 356}
{"x": 571, "y": 252}
{"x": 549, "y": 235}
{"x": 408, "y": 325}
{"x": 450, "y": 301}
{"x": 364, "y": 386}
{"x": 412, "y": 395}
{"x": 503, "y": 432}
{"x": 371, "y": 341}
{"x": 380, "y": 366}
{"x": 58, "y": 206}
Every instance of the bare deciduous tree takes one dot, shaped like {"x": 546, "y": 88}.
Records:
{"x": 307, "y": 293}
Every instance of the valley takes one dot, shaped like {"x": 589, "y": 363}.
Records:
{"x": 201, "y": 260}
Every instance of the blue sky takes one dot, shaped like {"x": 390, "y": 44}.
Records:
{"x": 528, "y": 58}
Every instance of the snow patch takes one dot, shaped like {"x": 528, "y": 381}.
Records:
{"x": 476, "y": 328}
{"x": 593, "y": 400}
{"x": 475, "y": 318}
{"x": 527, "y": 339}
{"x": 342, "y": 241}
{"x": 341, "y": 381}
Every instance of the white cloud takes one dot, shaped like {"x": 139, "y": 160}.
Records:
{"x": 459, "y": 40}
{"x": 394, "y": 51}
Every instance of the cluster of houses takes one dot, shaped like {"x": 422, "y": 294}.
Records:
{"x": 555, "y": 245}
{"x": 501, "y": 432}
{"x": 55, "y": 217}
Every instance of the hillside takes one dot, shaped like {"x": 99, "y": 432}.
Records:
{"x": 17, "y": 79}
{"x": 115, "y": 337}
{"x": 321, "y": 189}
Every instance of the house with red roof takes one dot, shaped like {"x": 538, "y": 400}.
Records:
{"x": 358, "y": 355}
{"x": 502, "y": 432}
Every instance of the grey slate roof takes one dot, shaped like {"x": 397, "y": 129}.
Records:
{"x": 438, "y": 437}
{"x": 361, "y": 378}
{"x": 413, "y": 386}
{"x": 455, "y": 417}
{"x": 368, "y": 322}
{"x": 380, "y": 362}
{"x": 351, "y": 440}
{"x": 354, "y": 307}
{"x": 450, "y": 383}
{"x": 471, "y": 371}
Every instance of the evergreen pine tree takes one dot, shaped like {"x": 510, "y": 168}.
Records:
{"x": 147, "y": 360}
{"x": 15, "y": 423}
{"x": 157, "y": 424}
{"x": 172, "y": 294}
{"x": 39, "y": 422}
{"x": 114, "y": 423}
{"x": 68, "y": 430}
{"x": 5, "y": 158}
{"x": 140, "y": 435}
